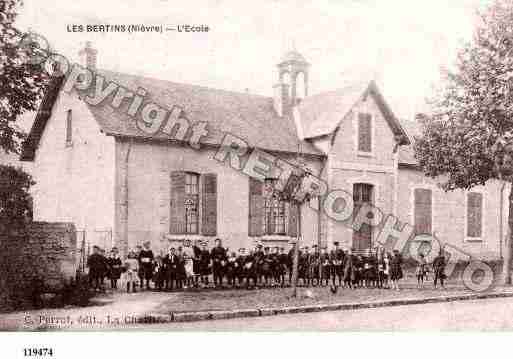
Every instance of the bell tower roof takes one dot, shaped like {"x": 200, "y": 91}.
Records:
{"x": 293, "y": 56}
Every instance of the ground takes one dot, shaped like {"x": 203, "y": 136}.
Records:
{"x": 124, "y": 311}
{"x": 489, "y": 314}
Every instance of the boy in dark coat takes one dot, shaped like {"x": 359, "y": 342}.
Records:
{"x": 180, "y": 268}
{"x": 204, "y": 259}
{"x": 231, "y": 268}
{"x": 146, "y": 263}
{"x": 325, "y": 266}
{"x": 115, "y": 265}
{"x": 241, "y": 260}
{"x": 313, "y": 268}
{"x": 304, "y": 265}
{"x": 283, "y": 264}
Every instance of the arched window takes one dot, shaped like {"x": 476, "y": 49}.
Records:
{"x": 300, "y": 86}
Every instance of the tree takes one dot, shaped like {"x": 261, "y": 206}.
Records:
{"x": 468, "y": 139}
{"x": 21, "y": 83}
{"x": 15, "y": 200}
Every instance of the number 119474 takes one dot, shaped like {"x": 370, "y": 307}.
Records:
{"x": 38, "y": 352}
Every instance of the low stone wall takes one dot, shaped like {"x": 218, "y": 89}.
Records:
{"x": 43, "y": 259}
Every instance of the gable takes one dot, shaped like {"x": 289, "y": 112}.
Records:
{"x": 320, "y": 115}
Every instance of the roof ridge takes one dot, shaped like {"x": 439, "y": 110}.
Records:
{"x": 100, "y": 71}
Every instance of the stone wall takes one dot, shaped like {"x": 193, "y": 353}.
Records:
{"x": 41, "y": 260}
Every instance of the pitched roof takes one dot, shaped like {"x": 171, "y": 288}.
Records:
{"x": 322, "y": 113}
{"x": 44, "y": 112}
{"x": 249, "y": 117}
{"x": 406, "y": 153}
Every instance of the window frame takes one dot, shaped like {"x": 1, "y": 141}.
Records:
{"x": 466, "y": 237}
{"x": 357, "y": 134}
{"x": 197, "y": 176}
{"x": 433, "y": 203}
{"x": 275, "y": 207}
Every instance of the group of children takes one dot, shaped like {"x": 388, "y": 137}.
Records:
{"x": 258, "y": 267}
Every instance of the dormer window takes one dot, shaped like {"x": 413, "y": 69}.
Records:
{"x": 69, "y": 128}
{"x": 364, "y": 128}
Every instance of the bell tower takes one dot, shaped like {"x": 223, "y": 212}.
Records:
{"x": 291, "y": 66}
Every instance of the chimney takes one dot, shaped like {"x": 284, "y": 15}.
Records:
{"x": 88, "y": 56}
{"x": 282, "y": 104}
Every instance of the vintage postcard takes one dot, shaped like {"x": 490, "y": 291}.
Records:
{"x": 260, "y": 166}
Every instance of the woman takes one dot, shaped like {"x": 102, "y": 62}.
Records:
{"x": 396, "y": 271}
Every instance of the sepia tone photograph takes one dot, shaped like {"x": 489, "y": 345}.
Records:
{"x": 255, "y": 166}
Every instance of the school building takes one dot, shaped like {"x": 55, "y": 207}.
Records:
{"x": 95, "y": 167}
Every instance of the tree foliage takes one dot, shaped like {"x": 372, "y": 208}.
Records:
{"x": 21, "y": 83}
{"x": 465, "y": 138}
{"x": 15, "y": 200}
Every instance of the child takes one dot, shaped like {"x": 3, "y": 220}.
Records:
{"x": 396, "y": 271}
{"x": 188, "y": 270}
{"x": 386, "y": 271}
{"x": 231, "y": 269}
{"x": 132, "y": 271}
{"x": 160, "y": 273}
{"x": 421, "y": 270}
{"x": 114, "y": 263}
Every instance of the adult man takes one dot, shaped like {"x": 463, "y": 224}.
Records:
{"x": 258, "y": 256}
{"x": 218, "y": 255}
{"x": 146, "y": 264}
{"x": 95, "y": 263}
{"x": 170, "y": 263}
{"x": 439, "y": 269}
{"x": 337, "y": 259}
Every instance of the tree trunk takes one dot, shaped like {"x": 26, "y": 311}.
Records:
{"x": 295, "y": 262}
{"x": 506, "y": 268}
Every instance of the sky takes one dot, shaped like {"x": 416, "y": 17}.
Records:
{"x": 401, "y": 44}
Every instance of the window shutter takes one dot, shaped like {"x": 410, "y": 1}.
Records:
{"x": 423, "y": 211}
{"x": 293, "y": 220}
{"x": 364, "y": 132}
{"x": 256, "y": 208}
{"x": 209, "y": 200}
{"x": 177, "y": 215}
{"x": 474, "y": 214}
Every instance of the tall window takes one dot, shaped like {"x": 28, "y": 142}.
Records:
{"x": 274, "y": 211}
{"x": 364, "y": 133}
{"x": 69, "y": 128}
{"x": 423, "y": 207}
{"x": 362, "y": 196}
{"x": 474, "y": 215}
{"x": 191, "y": 202}
{"x": 186, "y": 197}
